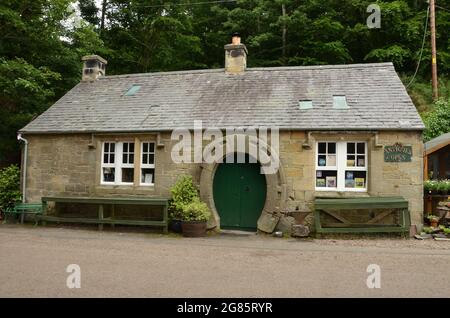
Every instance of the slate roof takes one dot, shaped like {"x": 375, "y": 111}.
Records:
{"x": 259, "y": 97}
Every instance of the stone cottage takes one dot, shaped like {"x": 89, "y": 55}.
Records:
{"x": 329, "y": 127}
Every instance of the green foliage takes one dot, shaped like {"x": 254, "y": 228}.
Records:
{"x": 40, "y": 54}
{"x": 26, "y": 93}
{"x": 428, "y": 229}
{"x": 437, "y": 121}
{"x": 183, "y": 192}
{"x": 195, "y": 211}
{"x": 437, "y": 185}
{"x": 431, "y": 217}
{"x": 430, "y": 185}
{"x": 442, "y": 186}
{"x": 9, "y": 186}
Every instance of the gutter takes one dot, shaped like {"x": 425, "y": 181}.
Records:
{"x": 24, "y": 176}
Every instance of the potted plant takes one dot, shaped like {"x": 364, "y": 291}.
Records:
{"x": 434, "y": 220}
{"x": 195, "y": 215}
{"x": 183, "y": 192}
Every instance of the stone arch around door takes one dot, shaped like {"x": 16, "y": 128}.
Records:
{"x": 276, "y": 194}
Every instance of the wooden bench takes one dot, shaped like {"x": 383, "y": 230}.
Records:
{"x": 101, "y": 202}
{"x": 335, "y": 208}
{"x": 20, "y": 209}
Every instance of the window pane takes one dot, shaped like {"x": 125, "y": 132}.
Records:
{"x": 350, "y": 147}
{"x": 131, "y": 147}
{"x": 152, "y": 147}
{"x": 106, "y": 147}
{"x": 322, "y": 161}
{"x": 125, "y": 147}
{"x": 350, "y": 161}
{"x": 361, "y": 147}
{"x": 144, "y": 147}
{"x": 105, "y": 158}
{"x": 131, "y": 158}
{"x": 331, "y": 147}
{"x": 147, "y": 176}
{"x": 127, "y": 174}
{"x": 112, "y": 147}
{"x": 322, "y": 147}
{"x": 124, "y": 158}
{"x": 111, "y": 158}
{"x": 108, "y": 174}
{"x": 361, "y": 162}
{"x": 326, "y": 179}
{"x": 355, "y": 179}
{"x": 331, "y": 160}
{"x": 144, "y": 159}
{"x": 151, "y": 158}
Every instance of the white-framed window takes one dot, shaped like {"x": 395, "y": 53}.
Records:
{"x": 147, "y": 163}
{"x": 117, "y": 163}
{"x": 341, "y": 166}
{"x": 108, "y": 162}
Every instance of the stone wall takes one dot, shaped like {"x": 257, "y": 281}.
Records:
{"x": 69, "y": 165}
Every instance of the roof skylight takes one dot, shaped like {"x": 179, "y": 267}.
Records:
{"x": 305, "y": 104}
{"x": 133, "y": 90}
{"x": 340, "y": 102}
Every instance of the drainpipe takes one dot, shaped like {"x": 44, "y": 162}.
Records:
{"x": 25, "y": 154}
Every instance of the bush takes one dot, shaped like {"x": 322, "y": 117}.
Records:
{"x": 437, "y": 122}
{"x": 196, "y": 211}
{"x": 9, "y": 186}
{"x": 183, "y": 193}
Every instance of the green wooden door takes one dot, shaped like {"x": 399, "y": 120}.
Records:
{"x": 239, "y": 194}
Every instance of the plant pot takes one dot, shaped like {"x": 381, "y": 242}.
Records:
{"x": 434, "y": 223}
{"x": 194, "y": 228}
{"x": 175, "y": 226}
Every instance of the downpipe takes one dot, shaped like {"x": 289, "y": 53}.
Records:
{"x": 25, "y": 155}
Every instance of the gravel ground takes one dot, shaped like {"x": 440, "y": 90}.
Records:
{"x": 33, "y": 262}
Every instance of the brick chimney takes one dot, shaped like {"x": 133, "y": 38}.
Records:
{"x": 235, "y": 55}
{"x": 94, "y": 66}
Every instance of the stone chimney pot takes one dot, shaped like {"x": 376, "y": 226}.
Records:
{"x": 94, "y": 66}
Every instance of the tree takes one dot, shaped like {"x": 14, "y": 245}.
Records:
{"x": 89, "y": 11}
{"x": 39, "y": 61}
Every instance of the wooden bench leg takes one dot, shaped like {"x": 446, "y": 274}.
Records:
{"x": 44, "y": 211}
{"x": 166, "y": 221}
{"x": 112, "y": 215}
{"x": 100, "y": 217}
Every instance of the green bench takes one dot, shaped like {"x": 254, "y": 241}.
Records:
{"x": 335, "y": 210}
{"x": 112, "y": 219}
{"x": 20, "y": 209}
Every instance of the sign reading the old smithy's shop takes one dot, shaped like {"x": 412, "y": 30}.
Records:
{"x": 397, "y": 153}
